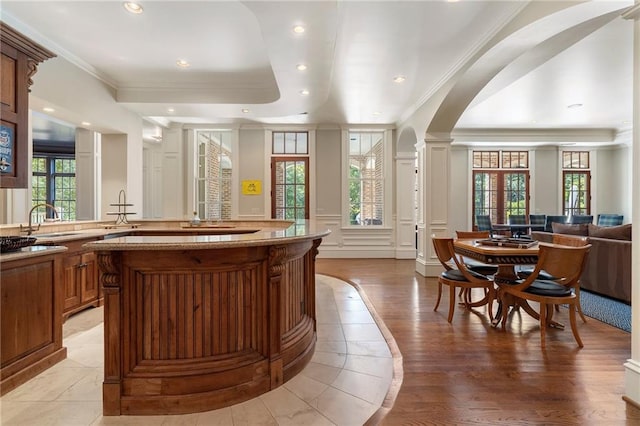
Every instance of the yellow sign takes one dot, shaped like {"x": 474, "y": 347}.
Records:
{"x": 251, "y": 187}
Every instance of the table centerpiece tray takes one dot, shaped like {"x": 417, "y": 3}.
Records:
{"x": 508, "y": 242}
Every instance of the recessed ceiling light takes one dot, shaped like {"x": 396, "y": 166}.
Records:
{"x": 572, "y": 106}
{"x": 304, "y": 92}
{"x": 48, "y": 109}
{"x": 170, "y": 110}
{"x": 376, "y": 113}
{"x": 399, "y": 79}
{"x": 86, "y": 123}
{"x": 133, "y": 7}
{"x": 245, "y": 110}
{"x": 298, "y": 29}
{"x": 182, "y": 63}
{"x": 301, "y": 67}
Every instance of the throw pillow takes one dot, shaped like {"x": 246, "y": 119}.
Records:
{"x": 571, "y": 229}
{"x": 620, "y": 232}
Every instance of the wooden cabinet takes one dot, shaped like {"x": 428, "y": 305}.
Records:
{"x": 31, "y": 318}
{"x": 80, "y": 277}
{"x": 20, "y": 58}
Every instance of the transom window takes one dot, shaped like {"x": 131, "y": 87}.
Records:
{"x": 500, "y": 184}
{"x": 290, "y": 143}
{"x": 576, "y": 178}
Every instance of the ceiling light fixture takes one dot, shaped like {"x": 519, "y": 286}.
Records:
{"x": 48, "y": 109}
{"x": 301, "y": 67}
{"x": 399, "y": 78}
{"x": 298, "y": 29}
{"x": 304, "y": 92}
{"x": 183, "y": 63}
{"x": 376, "y": 112}
{"x": 133, "y": 7}
{"x": 86, "y": 123}
{"x": 572, "y": 106}
{"x": 170, "y": 110}
{"x": 245, "y": 110}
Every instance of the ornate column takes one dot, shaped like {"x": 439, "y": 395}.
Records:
{"x": 434, "y": 192}
{"x": 632, "y": 366}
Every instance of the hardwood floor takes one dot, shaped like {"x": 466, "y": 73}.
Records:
{"x": 467, "y": 372}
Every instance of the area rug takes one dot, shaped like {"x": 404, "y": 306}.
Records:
{"x": 607, "y": 310}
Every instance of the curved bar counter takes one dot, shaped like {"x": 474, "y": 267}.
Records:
{"x": 198, "y": 322}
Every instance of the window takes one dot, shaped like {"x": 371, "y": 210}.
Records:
{"x": 500, "y": 184}
{"x": 576, "y": 178}
{"x": 214, "y": 174}
{"x": 290, "y": 143}
{"x": 290, "y": 175}
{"x": 53, "y": 182}
{"x": 366, "y": 183}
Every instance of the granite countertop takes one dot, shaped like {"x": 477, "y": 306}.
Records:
{"x": 260, "y": 234}
{"x": 31, "y": 251}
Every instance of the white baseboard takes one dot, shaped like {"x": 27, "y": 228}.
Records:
{"x": 632, "y": 382}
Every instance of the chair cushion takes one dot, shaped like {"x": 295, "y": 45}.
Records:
{"x": 548, "y": 288}
{"x": 620, "y": 232}
{"x": 571, "y": 229}
{"x": 456, "y": 275}
{"x": 525, "y": 272}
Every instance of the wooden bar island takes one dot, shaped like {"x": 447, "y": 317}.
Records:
{"x": 198, "y": 322}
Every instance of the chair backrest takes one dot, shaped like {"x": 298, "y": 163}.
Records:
{"x": 483, "y": 222}
{"x": 570, "y": 240}
{"x": 517, "y": 219}
{"x": 563, "y": 262}
{"x": 553, "y": 219}
{"x": 472, "y": 234}
{"x": 444, "y": 250}
{"x": 606, "y": 219}
{"x": 537, "y": 219}
{"x": 579, "y": 218}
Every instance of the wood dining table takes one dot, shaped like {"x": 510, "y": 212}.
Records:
{"x": 505, "y": 256}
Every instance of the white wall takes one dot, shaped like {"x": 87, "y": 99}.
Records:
{"x": 114, "y": 175}
{"x": 251, "y": 167}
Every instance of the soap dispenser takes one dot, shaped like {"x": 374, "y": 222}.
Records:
{"x": 195, "y": 220}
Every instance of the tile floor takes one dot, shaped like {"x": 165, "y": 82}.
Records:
{"x": 344, "y": 384}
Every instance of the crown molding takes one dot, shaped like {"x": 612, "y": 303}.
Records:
{"x": 632, "y": 13}
{"x": 534, "y": 135}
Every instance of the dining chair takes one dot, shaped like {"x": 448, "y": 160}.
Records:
{"x": 565, "y": 264}
{"x": 517, "y": 219}
{"x": 553, "y": 219}
{"x": 580, "y": 218}
{"x": 460, "y": 276}
{"x": 605, "y": 219}
{"x": 471, "y": 264}
{"x": 537, "y": 221}
{"x": 483, "y": 223}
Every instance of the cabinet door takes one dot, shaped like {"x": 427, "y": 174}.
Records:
{"x": 71, "y": 282}
{"x": 88, "y": 278}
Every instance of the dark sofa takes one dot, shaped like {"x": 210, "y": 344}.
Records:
{"x": 608, "y": 268}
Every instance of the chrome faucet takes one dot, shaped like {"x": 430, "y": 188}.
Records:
{"x": 30, "y": 229}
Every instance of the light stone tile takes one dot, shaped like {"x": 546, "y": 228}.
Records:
{"x": 129, "y": 420}
{"x": 331, "y": 332}
{"x": 93, "y": 335}
{"x": 87, "y": 354}
{"x": 288, "y": 409}
{"x": 364, "y": 386}
{"x": 329, "y": 358}
{"x": 252, "y": 413}
{"x": 338, "y": 347}
{"x": 89, "y": 388}
{"x": 380, "y": 367}
{"x": 378, "y": 348}
{"x": 220, "y": 417}
{"x": 342, "y": 408}
{"x": 362, "y": 332}
{"x": 356, "y": 317}
{"x": 305, "y": 387}
{"x": 351, "y": 305}
{"x": 321, "y": 373}
{"x": 50, "y": 413}
{"x": 47, "y": 386}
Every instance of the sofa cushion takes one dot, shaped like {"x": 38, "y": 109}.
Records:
{"x": 620, "y": 232}
{"x": 571, "y": 229}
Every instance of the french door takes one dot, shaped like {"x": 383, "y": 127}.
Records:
{"x": 289, "y": 188}
{"x": 500, "y": 194}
